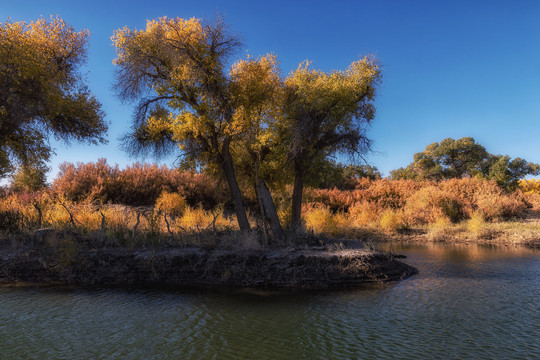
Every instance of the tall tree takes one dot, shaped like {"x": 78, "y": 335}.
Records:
{"x": 326, "y": 113}
{"x": 42, "y": 91}
{"x": 177, "y": 69}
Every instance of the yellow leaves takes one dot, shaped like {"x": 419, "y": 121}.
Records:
{"x": 38, "y": 42}
{"x": 338, "y": 94}
{"x": 254, "y": 81}
{"x": 167, "y": 38}
{"x": 314, "y": 83}
{"x": 186, "y": 31}
{"x": 44, "y": 51}
{"x": 157, "y": 124}
{"x": 530, "y": 186}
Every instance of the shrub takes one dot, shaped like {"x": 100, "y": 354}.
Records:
{"x": 197, "y": 219}
{"x": 388, "y": 194}
{"x": 319, "y": 219}
{"x": 392, "y": 220}
{"x": 501, "y": 206}
{"x": 426, "y": 205}
{"x": 334, "y": 199}
{"x": 364, "y": 213}
{"x": 136, "y": 185}
{"x": 476, "y": 223}
{"x": 171, "y": 203}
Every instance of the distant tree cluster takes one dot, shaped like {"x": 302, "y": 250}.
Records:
{"x": 463, "y": 158}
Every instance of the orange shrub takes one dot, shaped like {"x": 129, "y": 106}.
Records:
{"x": 78, "y": 182}
{"x": 384, "y": 193}
{"x": 423, "y": 206}
{"x": 334, "y": 199}
{"x": 364, "y": 212}
{"x": 501, "y": 206}
{"x": 388, "y": 193}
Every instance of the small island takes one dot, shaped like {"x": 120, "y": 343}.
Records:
{"x": 51, "y": 256}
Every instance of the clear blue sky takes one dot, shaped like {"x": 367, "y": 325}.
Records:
{"x": 450, "y": 68}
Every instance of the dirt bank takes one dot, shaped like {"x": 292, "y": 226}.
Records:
{"x": 68, "y": 262}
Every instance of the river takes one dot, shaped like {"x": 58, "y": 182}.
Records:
{"x": 467, "y": 302}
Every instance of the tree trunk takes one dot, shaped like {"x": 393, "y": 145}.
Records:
{"x": 39, "y": 215}
{"x": 296, "y": 216}
{"x": 236, "y": 194}
{"x": 263, "y": 215}
{"x": 269, "y": 210}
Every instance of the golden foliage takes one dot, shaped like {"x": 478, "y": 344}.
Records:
{"x": 437, "y": 207}
{"x": 477, "y": 223}
{"x": 171, "y": 203}
{"x": 43, "y": 93}
{"x": 531, "y": 186}
{"x": 416, "y": 202}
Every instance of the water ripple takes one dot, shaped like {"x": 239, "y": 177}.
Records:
{"x": 480, "y": 305}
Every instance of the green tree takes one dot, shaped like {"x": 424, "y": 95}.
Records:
{"x": 42, "y": 92}
{"x": 450, "y": 159}
{"x": 361, "y": 171}
{"x": 403, "y": 173}
{"x": 507, "y": 172}
{"x": 465, "y": 158}
{"x": 326, "y": 113}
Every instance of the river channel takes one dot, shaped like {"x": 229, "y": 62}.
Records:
{"x": 467, "y": 302}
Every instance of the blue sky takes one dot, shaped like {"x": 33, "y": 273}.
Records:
{"x": 450, "y": 68}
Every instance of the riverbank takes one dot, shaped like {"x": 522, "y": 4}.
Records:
{"x": 520, "y": 232}
{"x": 63, "y": 257}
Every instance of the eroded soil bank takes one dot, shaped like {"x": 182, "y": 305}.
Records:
{"x": 70, "y": 263}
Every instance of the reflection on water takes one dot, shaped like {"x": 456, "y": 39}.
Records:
{"x": 467, "y": 302}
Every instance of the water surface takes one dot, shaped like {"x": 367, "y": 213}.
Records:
{"x": 467, "y": 302}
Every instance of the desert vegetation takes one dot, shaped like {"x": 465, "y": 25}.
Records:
{"x": 147, "y": 204}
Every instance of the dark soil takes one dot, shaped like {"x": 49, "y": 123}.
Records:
{"x": 64, "y": 259}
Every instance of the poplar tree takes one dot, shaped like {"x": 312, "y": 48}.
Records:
{"x": 326, "y": 113}
{"x": 42, "y": 92}
{"x": 177, "y": 71}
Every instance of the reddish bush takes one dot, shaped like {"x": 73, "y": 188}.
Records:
{"x": 136, "y": 185}
{"x": 384, "y": 193}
